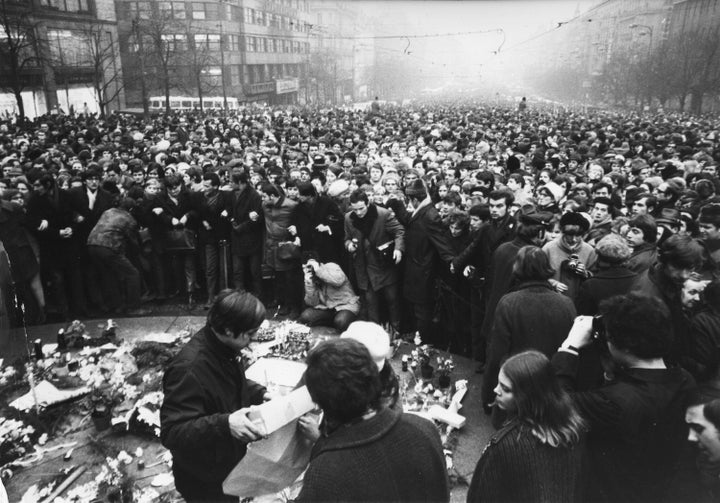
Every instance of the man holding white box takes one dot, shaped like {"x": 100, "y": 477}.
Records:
{"x": 204, "y": 417}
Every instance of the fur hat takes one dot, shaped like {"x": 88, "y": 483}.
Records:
{"x": 710, "y": 214}
{"x": 416, "y": 189}
{"x": 573, "y": 218}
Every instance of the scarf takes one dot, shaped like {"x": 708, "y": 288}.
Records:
{"x": 365, "y": 224}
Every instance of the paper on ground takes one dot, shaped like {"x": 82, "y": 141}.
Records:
{"x": 47, "y": 395}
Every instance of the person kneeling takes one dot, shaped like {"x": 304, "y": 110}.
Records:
{"x": 329, "y": 295}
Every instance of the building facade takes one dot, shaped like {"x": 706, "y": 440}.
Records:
{"x": 69, "y": 56}
{"x": 250, "y": 50}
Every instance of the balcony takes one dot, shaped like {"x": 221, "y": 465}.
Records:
{"x": 260, "y": 88}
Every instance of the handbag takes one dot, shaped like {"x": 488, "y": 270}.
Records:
{"x": 287, "y": 250}
{"x": 180, "y": 240}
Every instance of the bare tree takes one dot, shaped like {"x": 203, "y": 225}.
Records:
{"x": 101, "y": 55}
{"x": 19, "y": 49}
{"x": 199, "y": 62}
{"x": 160, "y": 31}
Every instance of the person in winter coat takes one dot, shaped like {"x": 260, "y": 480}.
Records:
{"x": 427, "y": 247}
{"x": 213, "y": 208}
{"x": 319, "y": 224}
{"x": 500, "y": 280}
{"x": 50, "y": 215}
{"x": 570, "y": 256}
{"x": 278, "y": 214}
{"x": 368, "y": 228}
{"x": 533, "y": 316}
{"x": 171, "y": 209}
{"x": 641, "y": 236}
{"x": 636, "y": 419}
{"x": 111, "y": 240}
{"x": 367, "y": 452}
{"x": 204, "y": 416}
{"x": 248, "y": 224}
{"x": 329, "y": 296}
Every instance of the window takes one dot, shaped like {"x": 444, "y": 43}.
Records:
{"x": 176, "y": 10}
{"x": 210, "y": 41}
{"x": 235, "y": 43}
{"x": 234, "y": 75}
{"x": 68, "y": 48}
{"x": 198, "y": 10}
{"x": 248, "y": 15}
{"x": 175, "y": 42}
{"x": 67, "y": 5}
{"x": 251, "y": 43}
{"x": 139, "y": 10}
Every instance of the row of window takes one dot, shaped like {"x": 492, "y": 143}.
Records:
{"x": 211, "y": 42}
{"x": 68, "y": 5}
{"x": 264, "y": 18}
{"x": 213, "y": 11}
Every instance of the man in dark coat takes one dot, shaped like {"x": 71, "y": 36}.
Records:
{"x": 679, "y": 257}
{"x": 530, "y": 231}
{"x": 636, "y": 422}
{"x": 213, "y": 210}
{"x": 426, "y": 245}
{"x": 203, "y": 418}
{"x": 50, "y": 216}
{"x": 367, "y": 228}
{"x": 533, "y": 316}
{"x": 367, "y": 452}
{"x": 89, "y": 202}
{"x": 319, "y": 224}
{"x": 248, "y": 223}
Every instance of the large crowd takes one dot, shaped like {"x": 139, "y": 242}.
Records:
{"x": 485, "y": 230}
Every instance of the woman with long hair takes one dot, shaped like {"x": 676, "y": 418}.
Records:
{"x": 538, "y": 455}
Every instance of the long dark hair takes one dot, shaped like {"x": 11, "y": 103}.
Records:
{"x": 541, "y": 404}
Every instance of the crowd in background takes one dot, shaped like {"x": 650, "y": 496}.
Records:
{"x": 486, "y": 230}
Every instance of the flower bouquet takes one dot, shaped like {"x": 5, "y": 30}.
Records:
{"x": 445, "y": 367}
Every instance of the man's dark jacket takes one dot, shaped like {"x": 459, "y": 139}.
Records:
{"x": 307, "y": 216}
{"x": 426, "y": 243}
{"x": 608, "y": 281}
{"x": 392, "y": 456}
{"x": 203, "y": 385}
{"x": 247, "y": 235}
{"x": 534, "y": 316}
{"x": 637, "y": 429}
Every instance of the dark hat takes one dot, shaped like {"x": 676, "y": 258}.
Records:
{"x": 573, "y": 218}
{"x": 603, "y": 200}
{"x": 669, "y": 216}
{"x": 319, "y": 160}
{"x": 536, "y": 218}
{"x": 710, "y": 213}
{"x": 416, "y": 189}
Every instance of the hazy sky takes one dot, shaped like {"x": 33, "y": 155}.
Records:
{"x": 459, "y": 53}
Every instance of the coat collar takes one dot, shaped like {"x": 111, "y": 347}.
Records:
{"x": 358, "y": 434}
